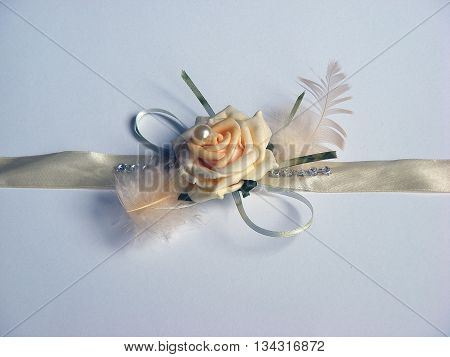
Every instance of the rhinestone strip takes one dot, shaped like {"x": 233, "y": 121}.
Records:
{"x": 126, "y": 168}
{"x": 313, "y": 171}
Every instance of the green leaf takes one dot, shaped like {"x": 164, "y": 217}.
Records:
{"x": 184, "y": 197}
{"x": 247, "y": 187}
{"x": 295, "y": 107}
{"x": 309, "y": 158}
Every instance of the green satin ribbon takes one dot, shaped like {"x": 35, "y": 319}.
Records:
{"x": 267, "y": 232}
{"x": 308, "y": 158}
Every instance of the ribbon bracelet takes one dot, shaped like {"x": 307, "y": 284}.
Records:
{"x": 229, "y": 152}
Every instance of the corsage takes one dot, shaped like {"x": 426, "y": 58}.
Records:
{"x": 229, "y": 152}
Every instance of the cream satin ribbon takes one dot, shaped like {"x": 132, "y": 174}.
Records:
{"x": 79, "y": 169}
{"x": 91, "y": 170}
{"x": 372, "y": 176}
{"x": 67, "y": 169}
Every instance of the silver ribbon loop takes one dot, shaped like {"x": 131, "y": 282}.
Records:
{"x": 267, "y": 232}
{"x": 174, "y": 123}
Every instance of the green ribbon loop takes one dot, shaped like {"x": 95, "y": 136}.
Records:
{"x": 174, "y": 123}
{"x": 276, "y": 234}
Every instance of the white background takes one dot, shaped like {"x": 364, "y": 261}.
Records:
{"x": 73, "y": 74}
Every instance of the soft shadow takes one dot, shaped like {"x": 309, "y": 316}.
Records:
{"x": 116, "y": 227}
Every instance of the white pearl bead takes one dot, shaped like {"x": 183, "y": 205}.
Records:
{"x": 202, "y": 132}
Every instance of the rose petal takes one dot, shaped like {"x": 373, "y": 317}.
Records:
{"x": 259, "y": 129}
{"x": 199, "y": 152}
{"x": 260, "y": 170}
{"x": 228, "y": 112}
{"x": 198, "y": 195}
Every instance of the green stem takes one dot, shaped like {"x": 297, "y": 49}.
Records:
{"x": 309, "y": 158}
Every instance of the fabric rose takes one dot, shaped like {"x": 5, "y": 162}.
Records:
{"x": 218, "y": 163}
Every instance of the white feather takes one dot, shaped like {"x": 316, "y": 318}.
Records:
{"x": 312, "y": 131}
{"x": 151, "y": 201}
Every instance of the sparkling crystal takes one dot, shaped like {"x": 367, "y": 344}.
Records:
{"x": 120, "y": 168}
{"x": 286, "y": 172}
{"x": 274, "y": 173}
{"x": 313, "y": 171}
{"x": 326, "y": 170}
{"x": 301, "y": 172}
{"x": 134, "y": 167}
